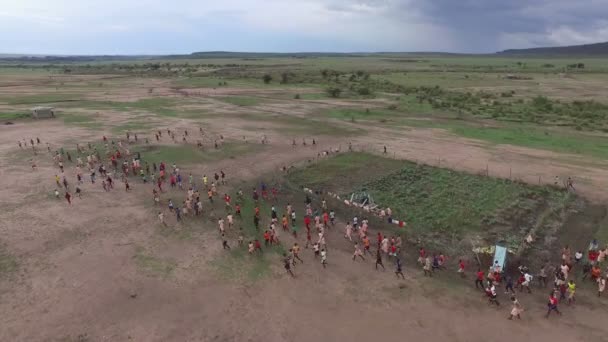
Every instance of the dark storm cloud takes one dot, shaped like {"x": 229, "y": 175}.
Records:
{"x": 485, "y": 25}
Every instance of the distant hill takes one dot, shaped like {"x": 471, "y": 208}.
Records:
{"x": 598, "y": 49}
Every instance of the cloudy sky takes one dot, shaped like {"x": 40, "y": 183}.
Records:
{"x": 184, "y": 26}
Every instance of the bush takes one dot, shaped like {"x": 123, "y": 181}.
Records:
{"x": 334, "y": 91}
{"x": 364, "y": 91}
{"x": 297, "y": 96}
{"x": 267, "y": 78}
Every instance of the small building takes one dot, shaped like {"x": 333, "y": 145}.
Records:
{"x": 43, "y": 112}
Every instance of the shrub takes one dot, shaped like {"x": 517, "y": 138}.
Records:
{"x": 334, "y": 91}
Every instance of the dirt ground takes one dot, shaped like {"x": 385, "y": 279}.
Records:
{"x": 79, "y": 278}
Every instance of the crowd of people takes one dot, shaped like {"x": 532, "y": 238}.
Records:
{"x": 117, "y": 162}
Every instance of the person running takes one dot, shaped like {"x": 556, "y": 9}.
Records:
{"x": 266, "y": 238}
{"x": 241, "y": 237}
{"x": 78, "y": 192}
{"x": 542, "y": 276}
{"x": 479, "y": 279}
{"x": 230, "y": 220}
{"x": 399, "y": 269}
{"x": 306, "y": 222}
{"x": 527, "y": 280}
{"x": 461, "y": 268}
{"x": 516, "y": 308}
{"x": 225, "y": 242}
{"x": 220, "y": 224}
{"x": 161, "y": 218}
{"x": 366, "y": 245}
{"x": 492, "y": 295}
{"x": 178, "y": 214}
{"x": 256, "y": 222}
{"x": 284, "y": 223}
{"x": 571, "y": 292}
{"x": 348, "y": 230}
{"x": 315, "y": 249}
{"x": 552, "y": 305}
{"x": 324, "y": 258}
{"x": 332, "y": 217}
{"x": 358, "y": 252}
{"x": 509, "y": 285}
{"x": 296, "y": 253}
{"x": 601, "y": 286}
{"x": 287, "y": 264}
{"x": 68, "y": 197}
{"x": 379, "y": 260}
{"x": 428, "y": 266}
{"x": 308, "y": 239}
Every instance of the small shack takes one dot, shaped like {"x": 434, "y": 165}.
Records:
{"x": 43, "y": 112}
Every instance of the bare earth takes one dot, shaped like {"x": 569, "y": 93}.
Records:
{"x": 78, "y": 277}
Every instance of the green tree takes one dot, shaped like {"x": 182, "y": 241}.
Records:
{"x": 267, "y": 78}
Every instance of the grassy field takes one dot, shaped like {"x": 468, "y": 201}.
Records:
{"x": 38, "y": 99}
{"x": 242, "y": 101}
{"x": 532, "y": 102}
{"x": 189, "y": 154}
{"x": 86, "y": 121}
{"x": 551, "y": 139}
{"x": 5, "y": 116}
{"x": 340, "y": 173}
{"x": 8, "y": 263}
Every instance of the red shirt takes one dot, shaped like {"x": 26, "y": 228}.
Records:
{"x": 325, "y": 217}
{"x": 422, "y": 253}
{"x": 480, "y": 275}
{"x": 307, "y": 220}
{"x": 461, "y": 265}
{"x": 227, "y": 199}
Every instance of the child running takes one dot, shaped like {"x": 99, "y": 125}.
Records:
{"x": 379, "y": 260}
{"x": 399, "y": 270}
{"x": 358, "y": 253}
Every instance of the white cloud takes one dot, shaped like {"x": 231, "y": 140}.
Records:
{"x": 134, "y": 26}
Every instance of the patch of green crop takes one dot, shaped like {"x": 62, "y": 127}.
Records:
{"x": 436, "y": 199}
